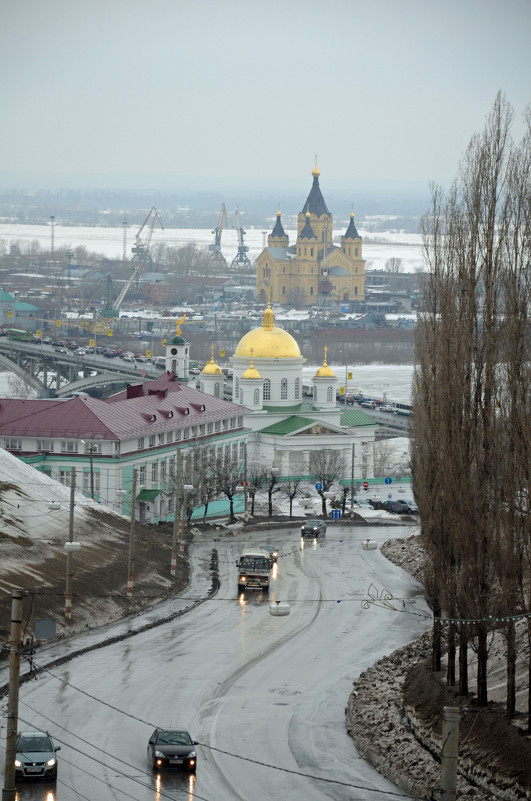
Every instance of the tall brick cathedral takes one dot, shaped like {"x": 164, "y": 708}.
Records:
{"x": 314, "y": 271}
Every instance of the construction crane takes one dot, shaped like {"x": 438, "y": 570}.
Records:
{"x": 141, "y": 246}
{"x": 241, "y": 260}
{"x": 141, "y": 258}
{"x": 215, "y": 249}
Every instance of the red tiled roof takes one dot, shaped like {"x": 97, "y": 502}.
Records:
{"x": 115, "y": 418}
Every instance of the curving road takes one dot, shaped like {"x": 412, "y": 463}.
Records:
{"x": 269, "y": 691}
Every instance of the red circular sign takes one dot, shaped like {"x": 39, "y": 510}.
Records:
{"x": 365, "y": 485}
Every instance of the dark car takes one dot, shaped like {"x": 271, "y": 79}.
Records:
{"x": 313, "y": 529}
{"x": 397, "y": 507}
{"x": 172, "y": 748}
{"x": 36, "y": 755}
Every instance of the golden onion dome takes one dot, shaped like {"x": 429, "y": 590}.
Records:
{"x": 251, "y": 372}
{"x": 316, "y": 172}
{"x": 211, "y": 368}
{"x": 325, "y": 371}
{"x": 268, "y": 341}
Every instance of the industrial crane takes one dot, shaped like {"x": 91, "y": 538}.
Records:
{"x": 215, "y": 249}
{"x": 141, "y": 247}
{"x": 241, "y": 260}
{"x": 141, "y": 258}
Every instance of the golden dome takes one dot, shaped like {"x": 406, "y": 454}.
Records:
{"x": 211, "y": 368}
{"x": 325, "y": 371}
{"x": 251, "y": 372}
{"x": 268, "y": 342}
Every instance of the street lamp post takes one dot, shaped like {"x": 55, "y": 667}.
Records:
{"x": 131, "y": 556}
{"x": 176, "y": 536}
{"x": 70, "y": 547}
{"x": 189, "y": 489}
{"x": 89, "y": 448}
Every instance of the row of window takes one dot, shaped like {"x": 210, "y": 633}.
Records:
{"x": 96, "y": 446}
{"x": 267, "y": 389}
{"x": 189, "y": 433}
{"x": 159, "y": 471}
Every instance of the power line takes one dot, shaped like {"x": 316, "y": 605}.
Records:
{"x": 227, "y": 753}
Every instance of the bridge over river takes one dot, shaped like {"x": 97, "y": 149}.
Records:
{"x": 54, "y": 374}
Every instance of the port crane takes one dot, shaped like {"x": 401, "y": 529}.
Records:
{"x": 215, "y": 249}
{"x": 141, "y": 258}
{"x": 241, "y": 260}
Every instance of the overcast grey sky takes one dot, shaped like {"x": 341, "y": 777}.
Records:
{"x": 389, "y": 90}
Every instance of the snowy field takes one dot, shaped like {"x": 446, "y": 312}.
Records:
{"x": 109, "y": 241}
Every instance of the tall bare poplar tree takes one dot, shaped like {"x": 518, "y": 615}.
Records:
{"x": 470, "y": 447}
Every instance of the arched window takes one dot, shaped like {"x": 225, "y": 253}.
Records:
{"x": 297, "y": 389}
{"x": 355, "y": 290}
{"x": 283, "y": 290}
{"x": 237, "y": 388}
{"x": 330, "y": 394}
{"x": 201, "y": 386}
{"x": 216, "y": 390}
{"x": 311, "y": 290}
{"x": 284, "y": 389}
{"x": 256, "y": 397}
{"x": 311, "y": 251}
{"x": 355, "y": 252}
{"x": 267, "y": 389}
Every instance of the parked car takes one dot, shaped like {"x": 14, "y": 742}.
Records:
{"x": 396, "y": 507}
{"x": 273, "y": 553}
{"x": 313, "y": 529}
{"x": 36, "y": 755}
{"x": 172, "y": 748}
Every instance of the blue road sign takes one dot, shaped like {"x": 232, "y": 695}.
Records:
{"x": 388, "y": 480}
{"x": 335, "y": 514}
{"x": 318, "y": 486}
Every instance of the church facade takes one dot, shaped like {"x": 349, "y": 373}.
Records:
{"x": 313, "y": 271}
{"x": 285, "y": 430}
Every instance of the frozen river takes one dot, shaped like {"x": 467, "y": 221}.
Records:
{"x": 264, "y": 696}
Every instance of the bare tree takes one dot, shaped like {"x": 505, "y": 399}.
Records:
{"x": 394, "y": 265}
{"x": 290, "y": 489}
{"x": 472, "y": 397}
{"x": 326, "y": 466}
{"x": 228, "y": 475}
{"x": 271, "y": 481}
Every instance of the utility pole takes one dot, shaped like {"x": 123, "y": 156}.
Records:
{"x": 131, "y": 560}
{"x": 176, "y": 537}
{"x": 70, "y": 547}
{"x": 9, "y": 791}
{"x": 450, "y": 737}
{"x": 91, "y": 473}
{"x": 352, "y": 482}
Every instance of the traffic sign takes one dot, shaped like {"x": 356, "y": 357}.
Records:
{"x": 318, "y": 486}
{"x": 388, "y": 480}
{"x": 365, "y": 485}
{"x": 335, "y": 514}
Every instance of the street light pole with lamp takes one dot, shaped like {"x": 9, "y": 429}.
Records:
{"x": 89, "y": 448}
{"x": 176, "y": 535}
{"x": 131, "y": 556}
{"x": 70, "y": 547}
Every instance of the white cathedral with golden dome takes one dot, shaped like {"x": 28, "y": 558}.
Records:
{"x": 285, "y": 427}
